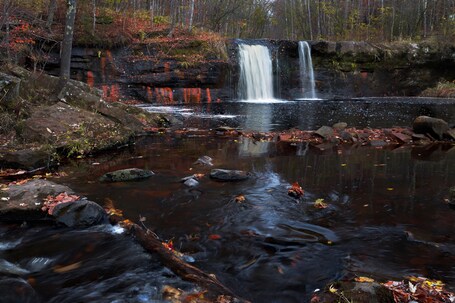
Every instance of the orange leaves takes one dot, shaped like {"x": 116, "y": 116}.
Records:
{"x": 63, "y": 269}
{"x": 169, "y": 245}
{"x": 239, "y": 199}
{"x": 50, "y": 202}
{"x": 295, "y": 190}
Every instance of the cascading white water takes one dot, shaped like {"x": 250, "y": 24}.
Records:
{"x": 256, "y": 73}
{"x": 306, "y": 71}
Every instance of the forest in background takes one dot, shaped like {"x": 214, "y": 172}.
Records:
{"x": 30, "y": 27}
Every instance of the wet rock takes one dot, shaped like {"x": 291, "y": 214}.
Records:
{"x": 191, "y": 182}
{"x": 129, "y": 174}
{"x": 403, "y": 138}
{"x": 24, "y": 202}
{"x": 356, "y": 292}
{"x": 433, "y": 126}
{"x": 325, "y": 132}
{"x": 204, "y": 160}
{"x": 450, "y": 133}
{"x": 80, "y": 213}
{"x": 25, "y": 159}
{"x": 340, "y": 126}
{"x": 346, "y": 136}
{"x": 17, "y": 290}
{"x": 420, "y": 137}
{"x": 229, "y": 175}
{"x": 452, "y": 196}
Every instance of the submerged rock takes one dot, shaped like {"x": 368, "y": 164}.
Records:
{"x": 204, "y": 160}
{"x": 129, "y": 174}
{"x": 432, "y": 126}
{"x": 229, "y": 175}
{"x": 191, "y": 182}
{"x": 17, "y": 290}
{"x": 355, "y": 292}
{"x": 80, "y": 213}
{"x": 24, "y": 202}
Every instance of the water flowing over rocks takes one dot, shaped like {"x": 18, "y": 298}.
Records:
{"x": 80, "y": 213}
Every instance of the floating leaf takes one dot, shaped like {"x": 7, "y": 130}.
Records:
{"x": 214, "y": 237}
{"x": 63, "y": 269}
{"x": 332, "y": 289}
{"x": 240, "y": 199}
{"x": 295, "y": 190}
{"x": 319, "y": 203}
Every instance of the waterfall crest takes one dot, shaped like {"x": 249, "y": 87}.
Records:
{"x": 256, "y": 73}
{"x": 306, "y": 71}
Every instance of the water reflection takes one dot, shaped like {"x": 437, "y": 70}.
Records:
{"x": 311, "y": 114}
{"x": 386, "y": 216}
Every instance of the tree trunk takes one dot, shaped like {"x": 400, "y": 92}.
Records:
{"x": 6, "y": 8}
{"x": 94, "y": 17}
{"x": 51, "y": 13}
{"x": 190, "y": 25}
{"x": 67, "y": 44}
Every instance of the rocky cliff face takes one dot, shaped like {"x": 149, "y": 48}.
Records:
{"x": 342, "y": 69}
{"x": 142, "y": 73}
{"x": 358, "y": 69}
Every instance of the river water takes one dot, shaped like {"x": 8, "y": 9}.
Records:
{"x": 386, "y": 219}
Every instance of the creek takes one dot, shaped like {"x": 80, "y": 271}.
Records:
{"x": 386, "y": 219}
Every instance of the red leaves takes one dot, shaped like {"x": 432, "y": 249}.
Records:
{"x": 295, "y": 190}
{"x": 214, "y": 237}
{"x": 419, "y": 289}
{"x": 50, "y": 202}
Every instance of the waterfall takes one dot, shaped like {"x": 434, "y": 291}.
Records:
{"x": 306, "y": 71}
{"x": 256, "y": 73}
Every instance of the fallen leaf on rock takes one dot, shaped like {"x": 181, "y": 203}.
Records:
{"x": 364, "y": 280}
{"x": 295, "y": 190}
{"x": 50, "y": 202}
{"x": 319, "y": 203}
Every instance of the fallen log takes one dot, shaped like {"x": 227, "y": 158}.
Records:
{"x": 151, "y": 243}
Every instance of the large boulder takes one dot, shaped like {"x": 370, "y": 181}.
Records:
{"x": 24, "y": 202}
{"x": 74, "y": 129}
{"x": 325, "y": 132}
{"x": 129, "y": 174}
{"x": 229, "y": 175}
{"x": 80, "y": 213}
{"x": 25, "y": 159}
{"x": 428, "y": 125}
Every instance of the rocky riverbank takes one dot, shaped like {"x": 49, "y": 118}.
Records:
{"x": 40, "y": 125}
